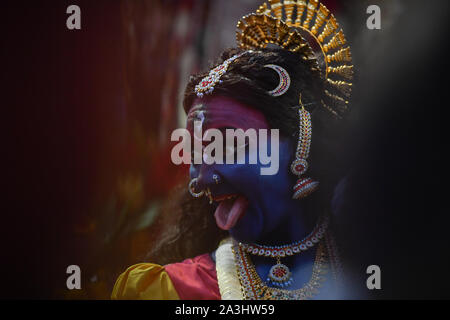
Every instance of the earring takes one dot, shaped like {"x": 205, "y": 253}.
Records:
{"x": 216, "y": 178}
{"x": 191, "y": 188}
{"x": 304, "y": 186}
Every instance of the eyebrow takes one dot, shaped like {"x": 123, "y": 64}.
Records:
{"x": 195, "y": 110}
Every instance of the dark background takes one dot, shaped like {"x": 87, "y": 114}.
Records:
{"x": 84, "y": 161}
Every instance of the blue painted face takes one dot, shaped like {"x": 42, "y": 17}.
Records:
{"x": 268, "y": 210}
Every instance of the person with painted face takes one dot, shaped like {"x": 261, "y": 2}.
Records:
{"x": 275, "y": 230}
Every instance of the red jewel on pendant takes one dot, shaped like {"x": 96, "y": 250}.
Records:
{"x": 279, "y": 272}
{"x": 299, "y": 167}
{"x": 279, "y": 276}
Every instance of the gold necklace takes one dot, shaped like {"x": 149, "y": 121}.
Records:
{"x": 253, "y": 288}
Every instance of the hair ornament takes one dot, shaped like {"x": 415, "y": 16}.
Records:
{"x": 285, "y": 80}
{"x": 207, "y": 84}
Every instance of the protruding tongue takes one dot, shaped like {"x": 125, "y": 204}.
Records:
{"x": 229, "y": 211}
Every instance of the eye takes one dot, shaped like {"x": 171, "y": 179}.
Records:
{"x": 235, "y": 148}
{"x": 229, "y": 150}
{"x": 243, "y": 145}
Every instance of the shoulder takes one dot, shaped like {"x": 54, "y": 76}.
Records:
{"x": 192, "y": 279}
{"x": 144, "y": 281}
{"x": 195, "y": 279}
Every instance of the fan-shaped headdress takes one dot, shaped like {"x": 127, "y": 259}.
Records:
{"x": 286, "y": 24}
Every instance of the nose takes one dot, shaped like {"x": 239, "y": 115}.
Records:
{"x": 205, "y": 174}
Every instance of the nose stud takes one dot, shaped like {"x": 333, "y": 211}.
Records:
{"x": 191, "y": 188}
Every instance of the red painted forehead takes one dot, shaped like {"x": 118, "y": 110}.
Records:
{"x": 222, "y": 112}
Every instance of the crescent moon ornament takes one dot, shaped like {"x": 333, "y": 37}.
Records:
{"x": 285, "y": 80}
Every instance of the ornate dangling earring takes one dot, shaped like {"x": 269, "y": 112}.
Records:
{"x": 304, "y": 186}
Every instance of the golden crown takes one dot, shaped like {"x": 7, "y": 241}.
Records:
{"x": 284, "y": 23}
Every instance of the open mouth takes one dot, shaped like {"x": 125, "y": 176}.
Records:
{"x": 225, "y": 197}
{"x": 231, "y": 208}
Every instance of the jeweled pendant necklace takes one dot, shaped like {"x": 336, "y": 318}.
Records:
{"x": 253, "y": 288}
{"x": 279, "y": 274}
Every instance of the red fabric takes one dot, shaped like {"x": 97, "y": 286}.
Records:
{"x": 195, "y": 279}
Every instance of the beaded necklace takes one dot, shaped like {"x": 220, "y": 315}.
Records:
{"x": 253, "y": 288}
{"x": 279, "y": 274}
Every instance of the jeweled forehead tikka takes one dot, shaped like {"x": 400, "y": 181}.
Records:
{"x": 207, "y": 84}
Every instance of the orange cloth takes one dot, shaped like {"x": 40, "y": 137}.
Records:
{"x": 192, "y": 279}
{"x": 144, "y": 281}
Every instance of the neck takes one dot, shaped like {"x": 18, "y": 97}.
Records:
{"x": 298, "y": 224}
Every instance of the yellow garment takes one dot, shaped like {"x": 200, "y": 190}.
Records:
{"x": 145, "y": 281}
